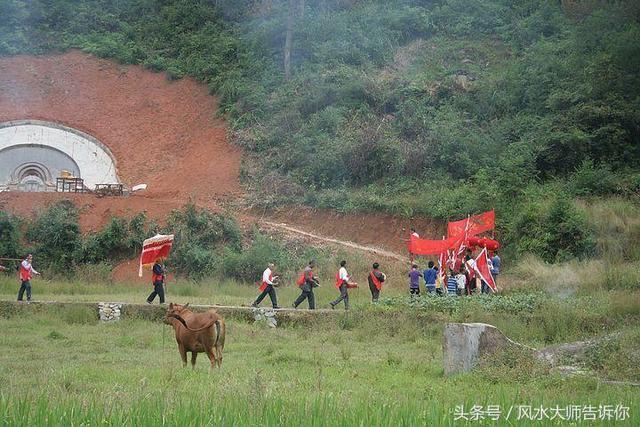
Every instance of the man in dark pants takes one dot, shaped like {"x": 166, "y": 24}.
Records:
{"x": 343, "y": 281}
{"x": 157, "y": 278}
{"x": 26, "y": 273}
{"x": 307, "y": 282}
{"x": 376, "y": 278}
{"x": 267, "y": 287}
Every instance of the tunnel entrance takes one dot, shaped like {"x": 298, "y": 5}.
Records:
{"x": 35, "y": 154}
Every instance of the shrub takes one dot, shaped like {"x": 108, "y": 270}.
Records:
{"x": 200, "y": 237}
{"x": 56, "y": 236}
{"x": 118, "y": 239}
{"x": 10, "y": 236}
{"x": 591, "y": 181}
{"x": 555, "y": 231}
{"x": 248, "y": 264}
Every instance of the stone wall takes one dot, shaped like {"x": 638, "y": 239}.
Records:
{"x": 114, "y": 311}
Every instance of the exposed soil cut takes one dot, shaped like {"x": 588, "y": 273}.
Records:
{"x": 372, "y": 229}
{"x": 162, "y": 133}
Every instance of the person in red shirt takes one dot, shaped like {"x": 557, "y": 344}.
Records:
{"x": 26, "y": 274}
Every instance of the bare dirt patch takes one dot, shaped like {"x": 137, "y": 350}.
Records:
{"x": 162, "y": 133}
{"x": 372, "y": 229}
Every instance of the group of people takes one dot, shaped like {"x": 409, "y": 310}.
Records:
{"x": 307, "y": 282}
{"x": 461, "y": 282}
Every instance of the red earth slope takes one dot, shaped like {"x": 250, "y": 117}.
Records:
{"x": 162, "y": 133}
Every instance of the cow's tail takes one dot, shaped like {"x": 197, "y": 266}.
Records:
{"x": 184, "y": 323}
{"x": 221, "y": 330}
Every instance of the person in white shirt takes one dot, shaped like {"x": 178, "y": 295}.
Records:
{"x": 268, "y": 287}
{"x": 26, "y": 273}
{"x": 462, "y": 281}
{"x": 343, "y": 281}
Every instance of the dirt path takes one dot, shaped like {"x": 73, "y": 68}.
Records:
{"x": 288, "y": 229}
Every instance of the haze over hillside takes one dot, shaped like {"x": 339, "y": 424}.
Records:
{"x": 433, "y": 108}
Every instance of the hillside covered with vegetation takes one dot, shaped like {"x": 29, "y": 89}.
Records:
{"x": 415, "y": 107}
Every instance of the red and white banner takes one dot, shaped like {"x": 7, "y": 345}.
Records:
{"x": 154, "y": 248}
{"x": 483, "y": 269}
{"x": 442, "y": 273}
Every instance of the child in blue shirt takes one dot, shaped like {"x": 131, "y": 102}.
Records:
{"x": 452, "y": 283}
{"x": 430, "y": 275}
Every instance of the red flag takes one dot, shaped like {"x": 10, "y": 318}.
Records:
{"x": 484, "y": 270}
{"x": 430, "y": 247}
{"x": 153, "y": 248}
{"x": 473, "y": 225}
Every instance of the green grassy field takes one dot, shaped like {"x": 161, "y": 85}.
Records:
{"x": 371, "y": 366}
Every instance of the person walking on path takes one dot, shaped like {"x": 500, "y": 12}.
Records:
{"x": 268, "y": 287}
{"x": 26, "y": 274}
{"x": 343, "y": 282}
{"x": 414, "y": 280}
{"x": 375, "y": 279}
{"x": 307, "y": 282}
{"x": 157, "y": 279}
{"x": 430, "y": 275}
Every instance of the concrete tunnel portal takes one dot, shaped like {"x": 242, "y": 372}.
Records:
{"x": 34, "y": 154}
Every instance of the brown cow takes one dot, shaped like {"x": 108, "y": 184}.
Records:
{"x": 197, "y": 333}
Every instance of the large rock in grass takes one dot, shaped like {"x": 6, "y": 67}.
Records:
{"x": 465, "y": 343}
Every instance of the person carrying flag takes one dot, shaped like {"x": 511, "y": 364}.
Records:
{"x": 375, "y": 279}
{"x": 26, "y": 274}
{"x": 307, "y": 282}
{"x": 268, "y": 287}
{"x": 343, "y": 283}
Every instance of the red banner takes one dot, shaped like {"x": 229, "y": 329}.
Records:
{"x": 419, "y": 246}
{"x": 473, "y": 225}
